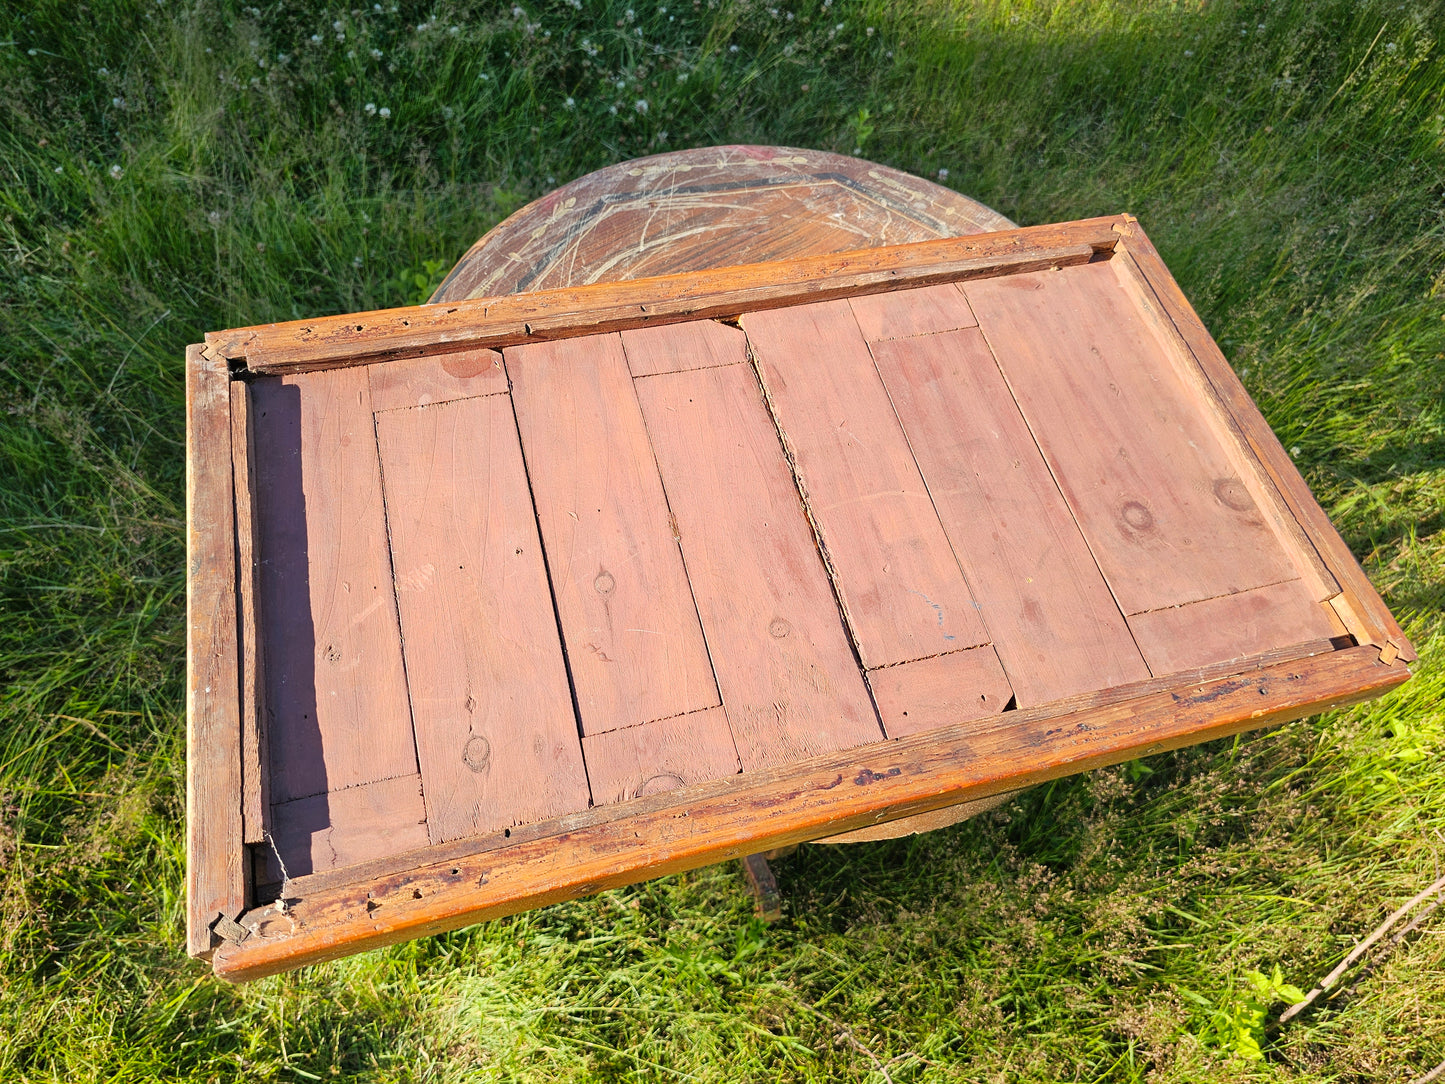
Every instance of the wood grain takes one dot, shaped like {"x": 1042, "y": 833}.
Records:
{"x": 924, "y": 311}
{"x": 1048, "y": 611}
{"x": 634, "y": 645}
{"x": 439, "y": 378}
{"x": 215, "y": 882}
{"x": 336, "y": 689}
{"x": 495, "y": 734}
{"x": 829, "y": 795}
{"x": 788, "y": 679}
{"x": 255, "y": 757}
{"x": 340, "y": 829}
{"x": 1232, "y": 627}
{"x": 697, "y": 344}
{"x": 363, "y": 338}
{"x": 1166, "y": 516}
{"x": 659, "y": 756}
{"x": 902, "y": 591}
{"x": 1377, "y": 623}
{"x": 929, "y": 693}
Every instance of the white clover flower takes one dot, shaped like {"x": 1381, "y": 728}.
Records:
{"x": 662, "y": 10}
{"x": 622, "y": 84}
{"x": 340, "y": 37}
{"x": 1260, "y": 26}
{"x": 32, "y": 52}
{"x": 337, "y": 25}
{"x": 640, "y": 105}
{"x": 629, "y": 15}
{"x": 383, "y": 112}
{"x": 283, "y": 58}
{"x": 376, "y": 8}
{"x": 356, "y": 261}
{"x": 870, "y": 31}
{"x": 454, "y": 30}
{"x": 516, "y": 12}
{"x": 551, "y": 179}
{"x": 1295, "y": 451}
{"x": 351, "y": 54}
{"x": 215, "y": 218}
{"x": 102, "y": 71}
{"x": 1188, "y": 52}
{"x": 1390, "y": 46}
{"x": 943, "y": 174}
{"x": 570, "y": 103}
{"x": 838, "y": 27}
{"x": 119, "y": 103}
{"x": 376, "y": 54}
{"x": 315, "y": 39}
{"x": 732, "y": 48}
{"x": 612, "y": 109}
{"x": 117, "y": 172}
{"x": 59, "y": 169}
{"x": 370, "y": 107}
{"x": 682, "y": 77}
{"x": 420, "y": 28}
{"x": 448, "y": 112}
{"x": 484, "y": 77}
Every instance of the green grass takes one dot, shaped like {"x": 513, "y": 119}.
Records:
{"x": 1288, "y": 159}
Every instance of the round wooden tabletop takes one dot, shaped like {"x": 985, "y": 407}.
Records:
{"x": 716, "y": 207}
{"x": 712, "y": 207}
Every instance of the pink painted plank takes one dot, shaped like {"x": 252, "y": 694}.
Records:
{"x": 634, "y": 645}
{"x": 411, "y": 382}
{"x": 789, "y": 682}
{"x": 1049, "y": 612}
{"x": 699, "y": 344}
{"x": 1166, "y": 516}
{"x": 1232, "y": 627}
{"x": 329, "y": 831}
{"x": 924, "y": 311}
{"x": 335, "y": 688}
{"x": 495, "y": 732}
{"x": 660, "y": 755}
{"x": 902, "y": 590}
{"x": 946, "y": 689}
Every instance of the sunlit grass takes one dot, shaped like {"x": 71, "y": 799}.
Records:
{"x": 159, "y": 179}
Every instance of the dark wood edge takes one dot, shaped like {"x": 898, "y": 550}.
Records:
{"x": 823, "y": 796}
{"x": 255, "y": 780}
{"x": 363, "y": 338}
{"x": 215, "y": 884}
{"x": 1375, "y": 621}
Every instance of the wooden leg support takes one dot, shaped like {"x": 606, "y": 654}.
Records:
{"x": 767, "y": 901}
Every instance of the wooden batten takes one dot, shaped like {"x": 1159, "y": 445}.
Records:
{"x": 215, "y": 884}
{"x": 361, "y": 338}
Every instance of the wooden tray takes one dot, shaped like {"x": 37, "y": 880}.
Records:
{"x": 508, "y": 601}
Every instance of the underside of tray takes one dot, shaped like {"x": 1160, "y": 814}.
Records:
{"x": 819, "y": 545}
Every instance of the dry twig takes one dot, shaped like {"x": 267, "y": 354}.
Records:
{"x": 1359, "y": 950}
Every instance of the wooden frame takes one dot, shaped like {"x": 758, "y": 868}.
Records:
{"x": 329, "y": 914}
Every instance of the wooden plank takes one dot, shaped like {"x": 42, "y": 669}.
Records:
{"x": 659, "y": 756}
{"x": 901, "y": 588}
{"x": 1247, "y": 466}
{"x": 634, "y": 645}
{"x": 255, "y": 776}
{"x": 697, "y": 344}
{"x": 929, "y": 693}
{"x": 788, "y": 679}
{"x": 363, "y": 338}
{"x": 439, "y": 378}
{"x": 215, "y": 881}
{"x": 829, "y": 795}
{"x": 1378, "y": 624}
{"x": 1166, "y": 516}
{"x": 335, "y": 687}
{"x": 336, "y": 830}
{"x": 1050, "y": 614}
{"x": 924, "y": 311}
{"x": 495, "y": 734}
{"x": 1232, "y": 627}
